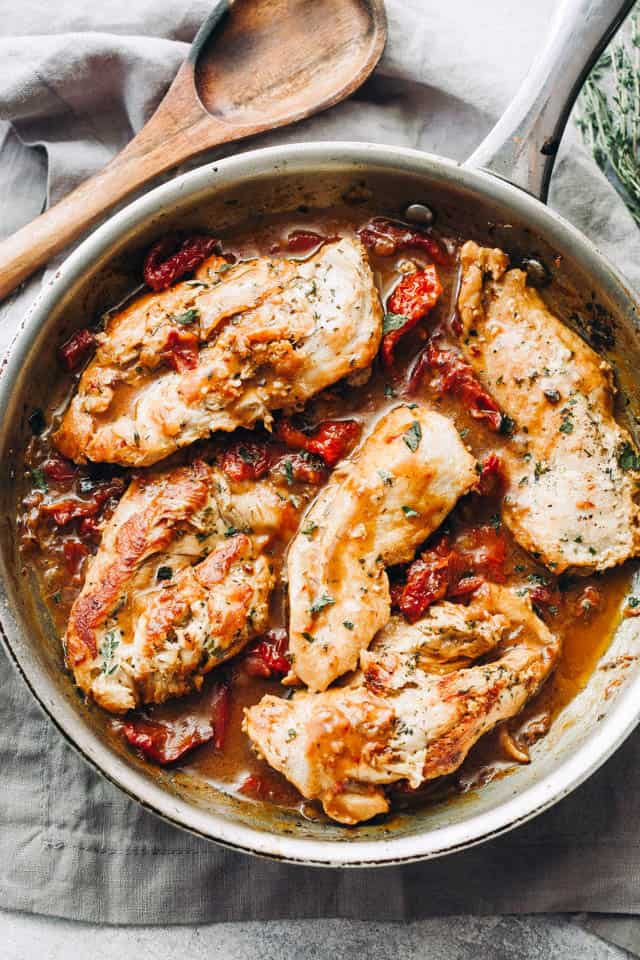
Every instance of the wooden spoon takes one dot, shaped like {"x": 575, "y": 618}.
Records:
{"x": 269, "y": 63}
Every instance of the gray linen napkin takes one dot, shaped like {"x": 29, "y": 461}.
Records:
{"x": 71, "y": 845}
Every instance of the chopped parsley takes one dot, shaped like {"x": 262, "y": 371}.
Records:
{"x": 310, "y": 528}
{"x": 628, "y": 459}
{"x": 347, "y": 624}
{"x": 386, "y": 477}
{"x": 389, "y": 392}
{"x": 309, "y": 637}
{"x": 164, "y": 573}
{"x": 38, "y": 479}
{"x": 393, "y": 321}
{"x": 318, "y": 605}
{"x": 413, "y": 436}
{"x": 633, "y": 602}
{"x": 567, "y": 423}
{"x": 187, "y": 318}
{"x": 107, "y": 650}
{"x": 288, "y": 471}
{"x": 231, "y": 531}
{"x": 410, "y": 512}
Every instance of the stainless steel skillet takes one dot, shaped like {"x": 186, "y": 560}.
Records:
{"x": 481, "y": 204}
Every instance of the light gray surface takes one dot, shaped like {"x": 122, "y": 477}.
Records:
{"x": 449, "y": 938}
{"x": 450, "y": 50}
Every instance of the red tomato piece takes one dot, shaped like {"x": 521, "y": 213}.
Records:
{"x": 75, "y": 351}
{"x": 491, "y": 479}
{"x": 331, "y": 440}
{"x": 387, "y": 237}
{"x": 167, "y": 740}
{"x": 265, "y": 787}
{"x": 267, "y": 657}
{"x": 57, "y": 469}
{"x": 171, "y": 258}
{"x": 457, "y": 377}
{"x": 74, "y": 552}
{"x": 546, "y": 598}
{"x": 304, "y": 241}
{"x": 427, "y": 581}
{"x": 413, "y": 298}
{"x": 181, "y": 350}
{"x": 74, "y": 508}
{"x": 246, "y": 460}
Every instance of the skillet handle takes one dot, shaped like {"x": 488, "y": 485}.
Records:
{"x": 523, "y": 144}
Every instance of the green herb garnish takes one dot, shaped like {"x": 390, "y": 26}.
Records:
{"x": 386, "y": 477}
{"x": 187, "y": 318}
{"x": 347, "y": 624}
{"x": 38, "y": 479}
{"x": 410, "y": 512}
{"x": 413, "y": 436}
{"x": 628, "y": 459}
{"x": 164, "y": 573}
{"x": 318, "y": 605}
{"x": 393, "y": 321}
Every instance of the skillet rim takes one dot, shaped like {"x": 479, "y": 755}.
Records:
{"x": 313, "y": 158}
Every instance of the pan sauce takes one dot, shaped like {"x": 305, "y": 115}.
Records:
{"x": 584, "y": 639}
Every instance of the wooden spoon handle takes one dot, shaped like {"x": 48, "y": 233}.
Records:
{"x": 33, "y": 245}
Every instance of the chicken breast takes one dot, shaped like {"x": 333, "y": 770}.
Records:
{"x": 373, "y": 513}
{"x": 399, "y": 720}
{"x": 572, "y": 470}
{"x": 181, "y": 581}
{"x": 223, "y": 351}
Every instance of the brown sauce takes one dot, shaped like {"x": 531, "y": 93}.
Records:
{"x": 584, "y": 638}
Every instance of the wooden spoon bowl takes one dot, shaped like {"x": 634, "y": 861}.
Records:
{"x": 253, "y": 66}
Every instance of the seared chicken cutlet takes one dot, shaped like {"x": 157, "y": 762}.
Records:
{"x": 180, "y": 583}
{"x": 223, "y": 351}
{"x": 373, "y": 513}
{"x": 399, "y": 720}
{"x": 572, "y": 471}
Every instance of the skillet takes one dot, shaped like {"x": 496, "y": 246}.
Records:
{"x": 499, "y": 194}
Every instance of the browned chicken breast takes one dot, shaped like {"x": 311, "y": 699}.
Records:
{"x": 180, "y": 583}
{"x": 223, "y": 351}
{"x": 373, "y": 513}
{"x": 400, "y": 719}
{"x": 572, "y": 471}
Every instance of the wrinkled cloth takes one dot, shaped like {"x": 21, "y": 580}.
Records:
{"x": 76, "y": 81}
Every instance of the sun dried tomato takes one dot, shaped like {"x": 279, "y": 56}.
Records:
{"x": 331, "y": 440}
{"x": 75, "y": 508}
{"x": 59, "y": 470}
{"x": 180, "y": 351}
{"x": 303, "y": 241}
{"x": 265, "y": 787}
{"x": 415, "y": 295}
{"x": 172, "y": 257}
{"x": 266, "y": 657}
{"x": 166, "y": 740}
{"x": 75, "y": 351}
{"x": 453, "y": 570}
{"x": 247, "y": 460}
{"x": 491, "y": 479}
{"x": 427, "y": 581}
{"x": 387, "y": 237}
{"x": 74, "y": 553}
{"x": 545, "y": 598}
{"x": 456, "y": 376}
